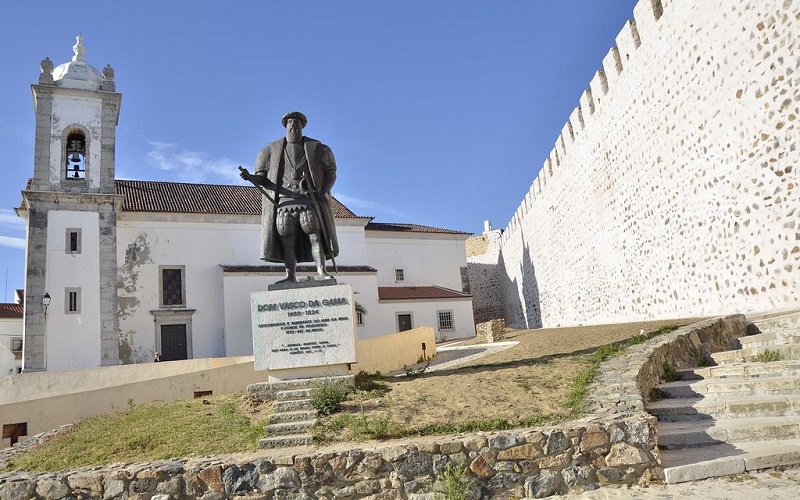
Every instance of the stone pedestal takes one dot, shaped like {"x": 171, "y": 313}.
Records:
{"x": 304, "y": 332}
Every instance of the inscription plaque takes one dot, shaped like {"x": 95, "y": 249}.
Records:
{"x": 303, "y": 327}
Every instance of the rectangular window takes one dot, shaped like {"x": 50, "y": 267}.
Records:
{"x": 72, "y": 300}
{"x": 404, "y": 322}
{"x": 398, "y": 275}
{"x": 465, "y": 280}
{"x": 16, "y": 344}
{"x": 446, "y": 323}
{"x": 73, "y": 240}
{"x": 172, "y": 286}
{"x": 360, "y": 319}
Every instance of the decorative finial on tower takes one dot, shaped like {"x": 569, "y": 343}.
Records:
{"x": 108, "y": 79}
{"x": 46, "y": 76}
{"x": 79, "y": 50}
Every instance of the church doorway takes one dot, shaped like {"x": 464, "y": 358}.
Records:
{"x": 173, "y": 343}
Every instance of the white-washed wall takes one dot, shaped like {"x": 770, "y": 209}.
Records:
{"x": 673, "y": 190}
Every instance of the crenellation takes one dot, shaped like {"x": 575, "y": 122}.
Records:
{"x": 628, "y": 41}
{"x": 567, "y": 134}
{"x": 576, "y": 121}
{"x": 647, "y": 13}
{"x": 599, "y": 87}
{"x": 587, "y": 103}
{"x": 561, "y": 148}
{"x": 612, "y": 66}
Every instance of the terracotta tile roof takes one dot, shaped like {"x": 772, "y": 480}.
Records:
{"x": 418, "y": 293}
{"x": 409, "y": 228}
{"x": 11, "y": 311}
{"x": 300, "y": 268}
{"x": 178, "y": 197}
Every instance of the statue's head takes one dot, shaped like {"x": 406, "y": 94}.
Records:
{"x": 294, "y": 122}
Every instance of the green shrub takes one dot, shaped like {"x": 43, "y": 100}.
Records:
{"x": 327, "y": 396}
{"x": 670, "y": 373}
{"x": 768, "y": 356}
{"x": 452, "y": 483}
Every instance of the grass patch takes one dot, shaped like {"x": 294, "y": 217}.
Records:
{"x": 452, "y": 483}
{"x": 148, "y": 432}
{"x": 670, "y": 373}
{"x": 768, "y": 356}
{"x": 576, "y": 399}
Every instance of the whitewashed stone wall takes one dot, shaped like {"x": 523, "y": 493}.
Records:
{"x": 673, "y": 188}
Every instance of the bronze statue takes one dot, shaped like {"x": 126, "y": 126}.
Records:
{"x": 295, "y": 174}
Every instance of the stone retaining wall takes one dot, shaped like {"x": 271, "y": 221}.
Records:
{"x": 615, "y": 445}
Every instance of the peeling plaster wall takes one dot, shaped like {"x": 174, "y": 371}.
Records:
{"x": 673, "y": 189}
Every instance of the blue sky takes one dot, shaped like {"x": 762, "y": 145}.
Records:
{"x": 438, "y": 112}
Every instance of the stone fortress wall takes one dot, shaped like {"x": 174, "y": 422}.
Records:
{"x": 672, "y": 191}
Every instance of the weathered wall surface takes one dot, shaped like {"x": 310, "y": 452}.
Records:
{"x": 672, "y": 190}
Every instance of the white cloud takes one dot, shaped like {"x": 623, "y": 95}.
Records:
{"x": 193, "y": 166}
{"x": 8, "y": 241}
{"x": 368, "y": 207}
{"x": 9, "y": 218}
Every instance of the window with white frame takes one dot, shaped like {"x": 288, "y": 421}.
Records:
{"x": 399, "y": 275}
{"x": 72, "y": 300}
{"x": 445, "y": 321}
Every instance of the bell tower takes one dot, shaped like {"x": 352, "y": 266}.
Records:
{"x": 70, "y": 207}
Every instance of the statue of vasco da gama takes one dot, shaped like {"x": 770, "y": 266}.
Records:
{"x": 295, "y": 175}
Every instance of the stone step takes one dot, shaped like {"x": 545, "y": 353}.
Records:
{"x": 693, "y": 464}
{"x": 291, "y": 405}
{"x": 770, "y": 338}
{"x": 789, "y": 351}
{"x": 786, "y": 368}
{"x": 288, "y": 428}
{"x": 268, "y": 390}
{"x": 687, "y": 409}
{"x": 733, "y": 387}
{"x": 286, "y": 441}
{"x": 676, "y": 435}
{"x": 293, "y": 394}
{"x": 292, "y": 416}
{"x": 786, "y": 321}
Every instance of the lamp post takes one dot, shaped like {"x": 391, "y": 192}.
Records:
{"x": 45, "y": 303}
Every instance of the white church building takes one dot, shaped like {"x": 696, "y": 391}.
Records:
{"x": 117, "y": 270}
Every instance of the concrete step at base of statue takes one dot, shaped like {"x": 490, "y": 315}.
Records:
{"x": 291, "y": 405}
{"x": 692, "y": 464}
{"x": 676, "y": 435}
{"x": 687, "y": 409}
{"x": 292, "y": 416}
{"x": 286, "y": 441}
{"x": 269, "y": 390}
{"x": 288, "y": 428}
{"x": 786, "y": 368}
{"x": 293, "y": 394}
{"x": 789, "y": 351}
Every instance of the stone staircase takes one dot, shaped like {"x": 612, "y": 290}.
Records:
{"x": 292, "y": 415}
{"x": 291, "y": 418}
{"x": 741, "y": 415}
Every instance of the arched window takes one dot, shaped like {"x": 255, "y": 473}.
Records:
{"x": 76, "y": 156}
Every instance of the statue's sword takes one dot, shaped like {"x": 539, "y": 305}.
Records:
{"x": 260, "y": 187}
{"x": 311, "y": 191}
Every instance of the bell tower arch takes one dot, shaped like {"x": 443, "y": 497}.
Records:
{"x": 70, "y": 207}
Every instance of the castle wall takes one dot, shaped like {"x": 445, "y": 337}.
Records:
{"x": 672, "y": 190}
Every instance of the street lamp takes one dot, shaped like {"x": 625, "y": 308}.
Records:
{"x": 45, "y": 303}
